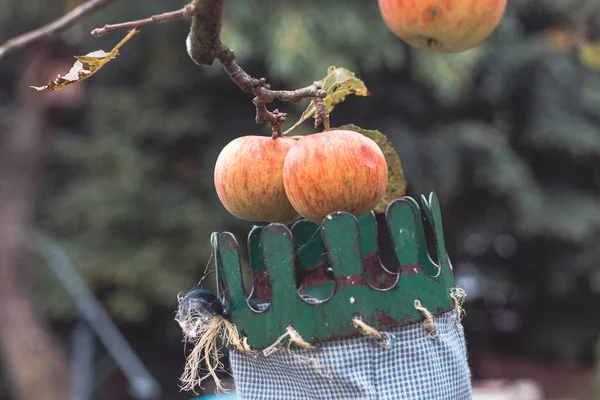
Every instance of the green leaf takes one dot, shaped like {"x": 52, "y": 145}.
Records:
{"x": 339, "y": 84}
{"x": 396, "y": 187}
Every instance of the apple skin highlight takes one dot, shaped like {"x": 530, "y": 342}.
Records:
{"x": 445, "y": 26}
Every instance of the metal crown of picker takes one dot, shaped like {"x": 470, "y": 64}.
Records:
{"x": 319, "y": 279}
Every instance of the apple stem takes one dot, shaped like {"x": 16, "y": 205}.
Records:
{"x": 275, "y": 118}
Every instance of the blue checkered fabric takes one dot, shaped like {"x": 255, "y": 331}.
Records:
{"x": 408, "y": 365}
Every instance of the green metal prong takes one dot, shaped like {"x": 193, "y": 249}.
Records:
{"x": 311, "y": 262}
{"x": 341, "y": 236}
{"x": 406, "y": 229}
{"x": 401, "y": 218}
{"x": 308, "y": 244}
{"x": 261, "y": 286}
{"x": 228, "y": 254}
{"x": 368, "y": 234}
{"x": 256, "y": 261}
{"x": 277, "y": 247}
{"x": 376, "y": 274}
{"x": 214, "y": 237}
{"x": 219, "y": 271}
{"x": 426, "y": 204}
{"x": 434, "y": 218}
{"x": 278, "y": 254}
{"x": 342, "y": 239}
{"x": 428, "y": 218}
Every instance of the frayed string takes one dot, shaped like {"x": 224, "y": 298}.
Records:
{"x": 275, "y": 346}
{"x": 205, "y": 332}
{"x": 366, "y": 329}
{"x": 297, "y": 339}
{"x": 233, "y": 338}
{"x": 294, "y": 337}
{"x": 458, "y": 297}
{"x": 246, "y": 347}
{"x": 428, "y": 323}
{"x": 205, "y": 349}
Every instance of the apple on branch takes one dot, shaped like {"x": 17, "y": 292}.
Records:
{"x": 447, "y": 26}
{"x": 335, "y": 170}
{"x": 249, "y": 179}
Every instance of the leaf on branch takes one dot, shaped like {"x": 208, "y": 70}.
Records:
{"x": 396, "y": 187}
{"x": 339, "y": 84}
{"x": 85, "y": 66}
{"x": 589, "y": 54}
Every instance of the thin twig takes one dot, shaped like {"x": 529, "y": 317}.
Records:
{"x": 204, "y": 46}
{"x": 53, "y": 28}
{"x": 183, "y": 13}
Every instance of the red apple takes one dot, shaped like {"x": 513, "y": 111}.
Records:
{"x": 448, "y": 26}
{"x": 249, "y": 179}
{"x": 335, "y": 170}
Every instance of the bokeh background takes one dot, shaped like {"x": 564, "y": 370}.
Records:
{"x": 116, "y": 174}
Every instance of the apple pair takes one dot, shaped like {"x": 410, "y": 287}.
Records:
{"x": 262, "y": 179}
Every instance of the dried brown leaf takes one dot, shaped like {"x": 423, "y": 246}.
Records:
{"x": 85, "y": 66}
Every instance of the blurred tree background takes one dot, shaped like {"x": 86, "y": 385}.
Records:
{"x": 507, "y": 134}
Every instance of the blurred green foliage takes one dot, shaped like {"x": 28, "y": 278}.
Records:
{"x": 507, "y": 134}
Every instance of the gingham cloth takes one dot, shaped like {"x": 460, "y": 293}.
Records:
{"x": 408, "y": 365}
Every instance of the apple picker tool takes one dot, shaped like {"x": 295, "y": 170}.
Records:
{"x": 325, "y": 319}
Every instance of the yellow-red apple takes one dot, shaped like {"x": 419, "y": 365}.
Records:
{"x": 336, "y": 170}
{"x": 249, "y": 179}
{"x": 448, "y": 26}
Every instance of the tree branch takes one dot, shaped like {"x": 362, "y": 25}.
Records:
{"x": 184, "y": 13}
{"x": 204, "y": 45}
{"x": 204, "y": 39}
{"x": 53, "y": 28}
